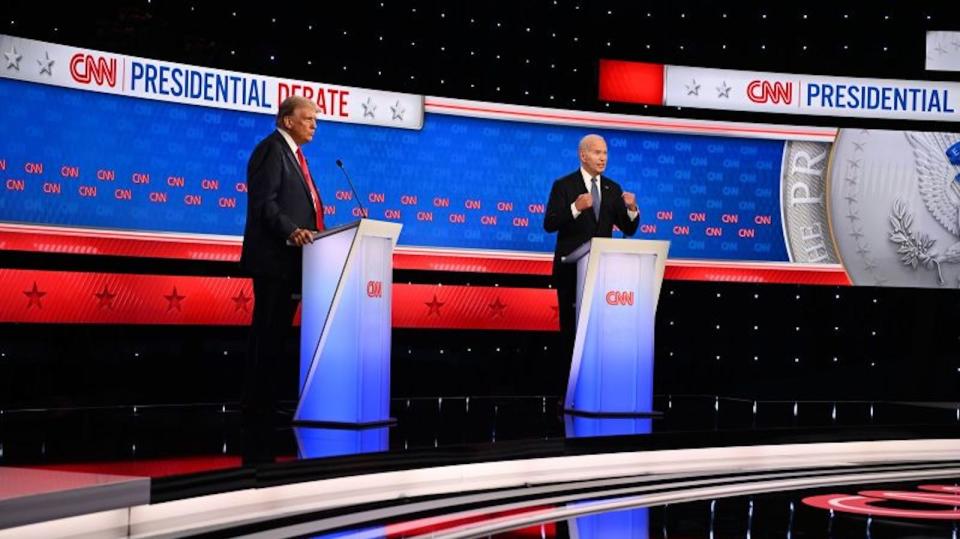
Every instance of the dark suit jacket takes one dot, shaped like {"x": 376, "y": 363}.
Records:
{"x": 278, "y": 202}
{"x": 573, "y": 233}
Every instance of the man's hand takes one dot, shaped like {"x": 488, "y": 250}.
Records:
{"x": 584, "y": 201}
{"x": 630, "y": 200}
{"x": 301, "y": 237}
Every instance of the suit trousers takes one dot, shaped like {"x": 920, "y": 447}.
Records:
{"x": 273, "y": 311}
{"x": 565, "y": 281}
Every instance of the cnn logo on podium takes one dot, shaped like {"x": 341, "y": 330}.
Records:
{"x": 618, "y": 297}
{"x": 374, "y": 289}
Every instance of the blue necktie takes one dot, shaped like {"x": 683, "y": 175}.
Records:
{"x": 595, "y": 193}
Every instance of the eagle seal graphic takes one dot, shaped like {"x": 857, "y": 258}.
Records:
{"x": 937, "y": 159}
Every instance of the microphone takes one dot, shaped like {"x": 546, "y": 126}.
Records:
{"x": 363, "y": 212}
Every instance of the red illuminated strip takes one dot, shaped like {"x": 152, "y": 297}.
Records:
{"x": 150, "y": 467}
{"x": 474, "y": 307}
{"x": 64, "y": 297}
{"x": 631, "y": 82}
{"x": 733, "y": 272}
{"x": 33, "y": 296}
{"x": 227, "y": 249}
{"x": 44, "y": 239}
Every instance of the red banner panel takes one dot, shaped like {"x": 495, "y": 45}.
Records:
{"x": 679, "y": 270}
{"x": 631, "y": 82}
{"x": 474, "y": 307}
{"x": 63, "y": 297}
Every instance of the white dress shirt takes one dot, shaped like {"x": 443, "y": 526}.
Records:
{"x": 587, "y": 181}
{"x": 286, "y": 136}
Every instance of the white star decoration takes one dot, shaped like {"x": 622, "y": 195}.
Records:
{"x": 693, "y": 88}
{"x": 46, "y": 65}
{"x": 369, "y": 108}
{"x": 13, "y": 59}
{"x": 397, "y": 111}
{"x": 723, "y": 90}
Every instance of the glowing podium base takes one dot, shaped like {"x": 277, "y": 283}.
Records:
{"x": 345, "y": 326}
{"x": 618, "y": 286}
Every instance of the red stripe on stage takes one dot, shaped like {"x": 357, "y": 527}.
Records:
{"x": 117, "y": 243}
{"x": 631, "y": 82}
{"x": 474, "y": 307}
{"x": 160, "y": 467}
{"x": 63, "y": 297}
{"x": 786, "y": 274}
{"x": 227, "y": 249}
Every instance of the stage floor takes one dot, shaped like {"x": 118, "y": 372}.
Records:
{"x": 705, "y": 468}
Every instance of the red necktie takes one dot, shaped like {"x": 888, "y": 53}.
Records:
{"x": 314, "y": 196}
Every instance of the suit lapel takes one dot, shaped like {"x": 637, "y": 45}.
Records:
{"x": 292, "y": 161}
{"x": 579, "y": 188}
{"x": 605, "y": 201}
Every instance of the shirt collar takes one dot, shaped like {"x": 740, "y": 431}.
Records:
{"x": 286, "y": 136}
{"x": 587, "y": 177}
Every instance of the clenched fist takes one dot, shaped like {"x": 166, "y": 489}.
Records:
{"x": 584, "y": 201}
{"x": 630, "y": 200}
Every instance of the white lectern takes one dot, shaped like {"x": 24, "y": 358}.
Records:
{"x": 618, "y": 286}
{"x": 345, "y": 325}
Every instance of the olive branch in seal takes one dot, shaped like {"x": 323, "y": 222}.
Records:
{"x": 913, "y": 248}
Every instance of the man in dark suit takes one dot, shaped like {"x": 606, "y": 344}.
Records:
{"x": 283, "y": 211}
{"x": 583, "y": 205}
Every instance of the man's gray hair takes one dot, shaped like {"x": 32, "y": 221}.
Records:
{"x": 290, "y": 105}
{"x": 586, "y": 140}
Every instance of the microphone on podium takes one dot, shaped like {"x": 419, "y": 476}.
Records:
{"x": 363, "y": 212}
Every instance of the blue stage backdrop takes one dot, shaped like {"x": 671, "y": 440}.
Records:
{"x": 83, "y": 159}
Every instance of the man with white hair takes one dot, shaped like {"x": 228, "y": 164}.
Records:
{"x": 283, "y": 211}
{"x": 584, "y": 204}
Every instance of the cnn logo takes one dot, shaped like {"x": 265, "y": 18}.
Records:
{"x": 374, "y": 289}
{"x": 84, "y": 68}
{"x": 763, "y": 91}
{"x": 616, "y": 297}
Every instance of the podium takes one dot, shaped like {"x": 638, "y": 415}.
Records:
{"x": 618, "y": 286}
{"x": 345, "y": 326}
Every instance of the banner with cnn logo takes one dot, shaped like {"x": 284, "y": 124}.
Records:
{"x": 784, "y": 93}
